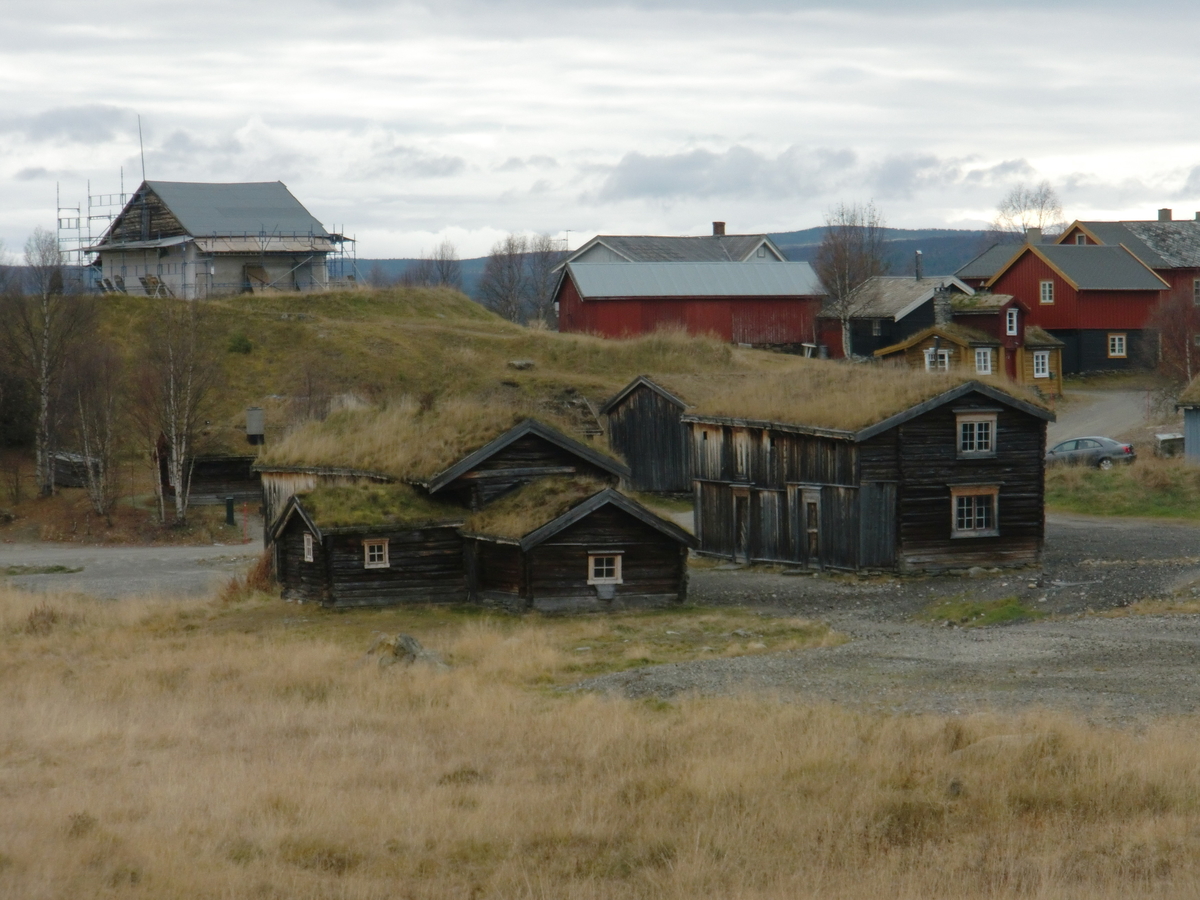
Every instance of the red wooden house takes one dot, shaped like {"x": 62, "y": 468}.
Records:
{"x": 759, "y": 305}
{"x": 1095, "y": 299}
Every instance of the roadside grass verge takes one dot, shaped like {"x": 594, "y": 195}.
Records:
{"x": 968, "y": 613}
{"x": 205, "y": 750}
{"x": 1149, "y": 487}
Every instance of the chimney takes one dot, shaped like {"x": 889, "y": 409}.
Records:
{"x": 917, "y": 265}
{"x": 718, "y": 229}
{"x": 1164, "y": 215}
{"x": 1033, "y": 235}
{"x": 254, "y": 425}
{"x": 942, "y": 310}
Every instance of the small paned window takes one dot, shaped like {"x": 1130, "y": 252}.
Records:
{"x": 983, "y": 361}
{"x": 375, "y": 554}
{"x": 974, "y": 512}
{"x": 876, "y": 328}
{"x": 1116, "y": 346}
{"x": 308, "y": 547}
{"x": 604, "y": 568}
{"x": 1081, "y": 239}
{"x": 762, "y": 252}
{"x": 1196, "y": 291}
{"x": 1046, "y": 294}
{"x": 1011, "y": 322}
{"x": 977, "y": 435}
{"x": 937, "y": 360}
{"x": 1041, "y": 363}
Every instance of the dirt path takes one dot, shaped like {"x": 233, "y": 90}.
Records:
{"x": 1104, "y": 413}
{"x": 114, "y": 572}
{"x": 1113, "y": 669}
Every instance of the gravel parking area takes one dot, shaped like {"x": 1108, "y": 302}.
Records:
{"x": 1113, "y": 669}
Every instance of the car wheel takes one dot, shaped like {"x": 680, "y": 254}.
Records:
{"x": 1105, "y": 464}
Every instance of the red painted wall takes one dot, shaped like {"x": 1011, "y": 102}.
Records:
{"x": 1071, "y": 308}
{"x": 742, "y": 320}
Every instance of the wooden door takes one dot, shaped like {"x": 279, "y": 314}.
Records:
{"x": 810, "y": 527}
{"x": 741, "y": 527}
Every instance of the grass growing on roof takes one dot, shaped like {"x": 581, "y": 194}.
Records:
{"x": 348, "y": 506}
{"x": 821, "y": 393}
{"x": 532, "y": 506}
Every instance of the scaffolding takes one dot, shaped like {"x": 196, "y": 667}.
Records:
{"x": 80, "y": 226}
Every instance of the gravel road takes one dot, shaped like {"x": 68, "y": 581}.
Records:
{"x": 1106, "y": 413}
{"x": 114, "y": 572}
{"x": 1111, "y": 669}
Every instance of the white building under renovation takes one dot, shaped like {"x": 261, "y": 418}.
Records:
{"x": 191, "y": 240}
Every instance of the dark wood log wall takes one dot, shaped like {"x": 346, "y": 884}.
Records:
{"x": 215, "y": 478}
{"x": 306, "y": 581}
{"x": 884, "y": 503}
{"x": 146, "y": 219}
{"x": 929, "y": 466}
{"x": 645, "y": 429}
{"x": 499, "y": 573}
{"x": 425, "y": 566}
{"x": 496, "y": 476}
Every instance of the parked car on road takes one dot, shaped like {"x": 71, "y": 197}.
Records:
{"x": 1100, "y": 452}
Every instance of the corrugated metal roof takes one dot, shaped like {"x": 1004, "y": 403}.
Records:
{"x": 988, "y": 263}
{"x": 894, "y": 296}
{"x": 229, "y": 209}
{"x": 694, "y": 279}
{"x": 1101, "y": 268}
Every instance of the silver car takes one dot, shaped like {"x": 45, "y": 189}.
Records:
{"x": 1100, "y": 452}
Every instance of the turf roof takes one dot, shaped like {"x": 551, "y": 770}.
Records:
{"x": 376, "y": 505}
{"x": 530, "y": 507}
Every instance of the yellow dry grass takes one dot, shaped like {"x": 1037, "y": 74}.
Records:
{"x": 532, "y": 506}
{"x": 820, "y": 393}
{"x": 193, "y": 750}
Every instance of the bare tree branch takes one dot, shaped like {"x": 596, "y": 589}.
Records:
{"x": 544, "y": 254}
{"x": 850, "y": 253}
{"x": 504, "y": 284}
{"x": 1026, "y": 207}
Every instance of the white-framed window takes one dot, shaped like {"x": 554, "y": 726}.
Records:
{"x": 983, "y": 360}
{"x": 1046, "y": 292}
{"x": 974, "y": 511}
{"x": 375, "y": 554}
{"x": 976, "y": 434}
{"x": 937, "y": 361}
{"x": 762, "y": 252}
{"x": 1081, "y": 239}
{"x": 1116, "y": 346}
{"x": 876, "y": 328}
{"x": 1196, "y": 291}
{"x": 1011, "y": 321}
{"x": 308, "y": 546}
{"x": 1041, "y": 363}
{"x": 604, "y": 567}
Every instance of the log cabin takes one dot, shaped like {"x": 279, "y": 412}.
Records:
{"x": 558, "y": 544}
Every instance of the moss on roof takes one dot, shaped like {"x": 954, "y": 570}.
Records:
{"x": 1036, "y": 336}
{"x": 1191, "y": 394}
{"x": 376, "y": 505}
{"x": 528, "y": 508}
{"x": 823, "y": 393}
{"x": 980, "y": 301}
{"x": 411, "y": 442}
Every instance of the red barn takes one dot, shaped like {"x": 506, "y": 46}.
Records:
{"x": 761, "y": 305}
{"x": 1095, "y": 299}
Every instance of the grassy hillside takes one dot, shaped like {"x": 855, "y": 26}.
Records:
{"x": 425, "y": 344}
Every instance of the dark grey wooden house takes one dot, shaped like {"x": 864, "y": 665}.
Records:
{"x": 560, "y": 545}
{"x": 954, "y": 481}
{"x": 530, "y": 520}
{"x": 645, "y": 426}
{"x": 369, "y": 545}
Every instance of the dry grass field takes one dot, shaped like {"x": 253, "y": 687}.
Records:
{"x": 247, "y": 748}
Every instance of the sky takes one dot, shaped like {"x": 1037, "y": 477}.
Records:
{"x": 406, "y": 123}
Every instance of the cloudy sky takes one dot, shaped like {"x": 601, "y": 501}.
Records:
{"x": 410, "y": 122}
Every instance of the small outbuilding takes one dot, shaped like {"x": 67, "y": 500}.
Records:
{"x": 574, "y": 545}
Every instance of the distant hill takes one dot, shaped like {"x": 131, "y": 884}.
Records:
{"x": 944, "y": 251}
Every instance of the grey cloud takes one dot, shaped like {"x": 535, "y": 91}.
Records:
{"x": 32, "y": 173}
{"x": 1002, "y": 171}
{"x": 415, "y": 163}
{"x": 517, "y": 164}
{"x": 91, "y": 124}
{"x": 737, "y": 171}
{"x": 1191, "y": 186}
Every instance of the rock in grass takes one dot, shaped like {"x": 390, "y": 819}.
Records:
{"x": 521, "y": 364}
{"x": 404, "y": 648}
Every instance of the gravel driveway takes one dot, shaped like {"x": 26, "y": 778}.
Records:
{"x": 1106, "y": 668}
{"x": 113, "y": 572}
{"x": 1106, "y": 413}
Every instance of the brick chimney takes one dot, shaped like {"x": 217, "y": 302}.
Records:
{"x": 718, "y": 229}
{"x": 1033, "y": 235}
{"x": 943, "y": 312}
{"x": 1164, "y": 215}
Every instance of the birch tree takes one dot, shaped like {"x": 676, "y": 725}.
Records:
{"x": 1026, "y": 207}
{"x": 850, "y": 252}
{"x": 504, "y": 284}
{"x": 40, "y": 327}
{"x": 99, "y": 393}
{"x": 179, "y": 373}
{"x": 544, "y": 254}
